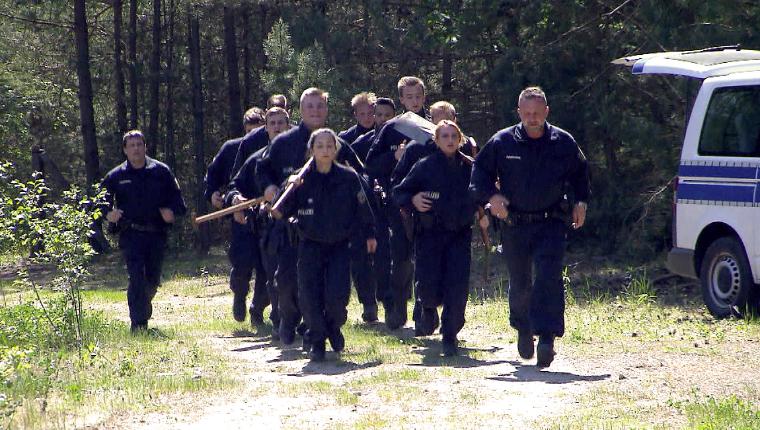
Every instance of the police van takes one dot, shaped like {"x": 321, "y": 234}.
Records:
{"x": 716, "y": 208}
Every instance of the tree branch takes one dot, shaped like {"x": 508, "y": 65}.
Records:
{"x": 68, "y": 26}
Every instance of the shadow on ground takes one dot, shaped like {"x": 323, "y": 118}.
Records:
{"x": 531, "y": 373}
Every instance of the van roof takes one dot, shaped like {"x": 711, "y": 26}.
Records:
{"x": 699, "y": 64}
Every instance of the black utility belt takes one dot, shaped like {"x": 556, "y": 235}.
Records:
{"x": 520, "y": 218}
{"x": 145, "y": 228}
{"x": 428, "y": 222}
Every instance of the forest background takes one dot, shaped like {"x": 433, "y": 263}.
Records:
{"x": 75, "y": 75}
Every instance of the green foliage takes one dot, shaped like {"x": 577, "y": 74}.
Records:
{"x": 56, "y": 233}
{"x": 629, "y": 127}
{"x": 280, "y": 54}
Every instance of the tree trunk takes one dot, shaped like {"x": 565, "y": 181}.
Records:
{"x": 246, "y": 59}
{"x": 235, "y": 119}
{"x": 86, "y": 112}
{"x": 194, "y": 45}
{"x": 169, "y": 153}
{"x": 121, "y": 102}
{"x": 261, "y": 58}
{"x": 132, "y": 46}
{"x": 155, "y": 76}
{"x": 446, "y": 74}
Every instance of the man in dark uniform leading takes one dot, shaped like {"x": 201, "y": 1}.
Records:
{"x": 143, "y": 199}
{"x": 535, "y": 163}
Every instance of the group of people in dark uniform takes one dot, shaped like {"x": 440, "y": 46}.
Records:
{"x": 369, "y": 205}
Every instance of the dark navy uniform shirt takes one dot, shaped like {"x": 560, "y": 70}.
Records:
{"x": 140, "y": 193}
{"x": 532, "y": 173}
{"x": 361, "y": 145}
{"x": 286, "y": 154}
{"x": 347, "y": 156}
{"x": 416, "y": 151}
{"x": 380, "y": 158}
{"x": 220, "y": 170}
{"x": 447, "y": 181}
{"x": 330, "y": 207}
{"x": 244, "y": 183}
{"x": 253, "y": 141}
{"x": 353, "y": 133}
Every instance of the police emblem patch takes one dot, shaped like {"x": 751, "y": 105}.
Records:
{"x": 361, "y": 197}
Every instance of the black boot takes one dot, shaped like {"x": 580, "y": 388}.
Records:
{"x": 317, "y": 352}
{"x": 138, "y": 327}
{"x": 287, "y": 334}
{"x": 449, "y": 346}
{"x": 370, "y": 313}
{"x": 301, "y": 328}
{"x": 525, "y": 344}
{"x": 392, "y": 316}
{"x": 427, "y": 321}
{"x": 545, "y": 351}
{"x": 257, "y": 316}
{"x": 238, "y": 306}
{"x": 337, "y": 341}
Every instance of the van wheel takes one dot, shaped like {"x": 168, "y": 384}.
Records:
{"x": 726, "y": 278}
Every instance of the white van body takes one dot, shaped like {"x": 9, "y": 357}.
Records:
{"x": 717, "y": 197}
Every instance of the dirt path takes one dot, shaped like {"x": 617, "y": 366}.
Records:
{"x": 488, "y": 387}
{"x": 280, "y": 388}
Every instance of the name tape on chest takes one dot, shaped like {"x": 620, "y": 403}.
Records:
{"x": 513, "y": 157}
{"x": 306, "y": 212}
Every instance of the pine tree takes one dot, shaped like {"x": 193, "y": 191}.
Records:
{"x": 279, "y": 50}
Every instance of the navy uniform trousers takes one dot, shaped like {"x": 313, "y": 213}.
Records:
{"x": 268, "y": 247}
{"x": 537, "y": 305}
{"x": 402, "y": 268}
{"x": 442, "y": 275}
{"x": 285, "y": 276}
{"x": 144, "y": 254}
{"x": 362, "y": 271}
{"x": 324, "y": 286}
{"x": 245, "y": 259}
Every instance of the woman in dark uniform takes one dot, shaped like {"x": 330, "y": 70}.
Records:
{"x": 328, "y": 206}
{"x": 437, "y": 190}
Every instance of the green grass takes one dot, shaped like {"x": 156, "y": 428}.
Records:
{"x": 724, "y": 413}
{"x": 124, "y": 373}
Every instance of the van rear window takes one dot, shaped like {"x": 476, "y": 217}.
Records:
{"x": 732, "y": 123}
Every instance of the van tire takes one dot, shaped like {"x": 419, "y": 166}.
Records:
{"x": 726, "y": 278}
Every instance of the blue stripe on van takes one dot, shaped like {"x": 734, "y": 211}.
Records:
{"x": 729, "y": 172}
{"x": 638, "y": 66}
{"x": 716, "y": 192}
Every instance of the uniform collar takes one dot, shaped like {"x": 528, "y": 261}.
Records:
{"x": 149, "y": 162}
{"x": 360, "y": 129}
{"x": 550, "y": 133}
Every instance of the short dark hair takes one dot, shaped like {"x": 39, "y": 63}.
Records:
{"x": 253, "y": 116}
{"x": 132, "y": 134}
{"x": 386, "y": 101}
{"x": 409, "y": 81}
{"x": 276, "y": 111}
{"x": 278, "y": 100}
{"x": 532, "y": 93}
